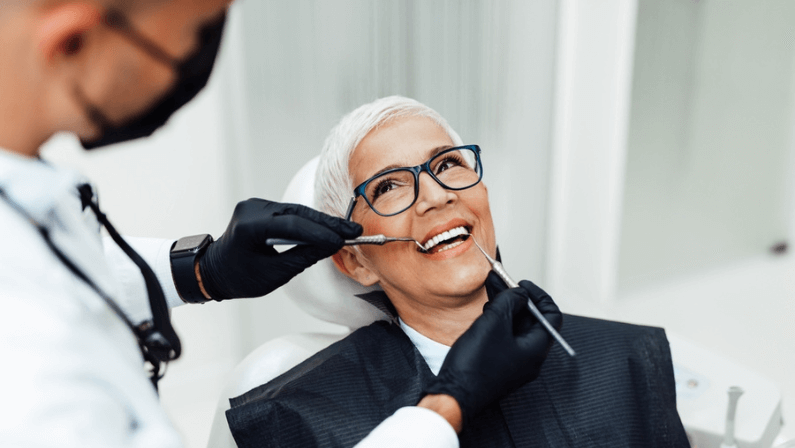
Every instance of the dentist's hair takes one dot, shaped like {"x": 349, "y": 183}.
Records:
{"x": 333, "y": 183}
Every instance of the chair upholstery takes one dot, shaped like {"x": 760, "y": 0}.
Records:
{"x": 322, "y": 291}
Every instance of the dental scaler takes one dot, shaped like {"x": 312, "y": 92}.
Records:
{"x": 378, "y": 240}
{"x": 496, "y": 266}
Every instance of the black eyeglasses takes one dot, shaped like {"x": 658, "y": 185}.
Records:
{"x": 396, "y": 190}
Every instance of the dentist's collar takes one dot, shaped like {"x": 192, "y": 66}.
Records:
{"x": 36, "y": 185}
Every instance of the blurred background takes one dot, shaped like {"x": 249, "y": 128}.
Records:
{"x": 638, "y": 153}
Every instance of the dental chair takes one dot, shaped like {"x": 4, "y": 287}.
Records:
{"x": 702, "y": 378}
{"x": 322, "y": 292}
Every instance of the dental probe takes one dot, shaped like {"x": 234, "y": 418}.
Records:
{"x": 496, "y": 266}
{"x": 379, "y": 240}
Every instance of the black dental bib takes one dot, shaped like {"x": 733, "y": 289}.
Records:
{"x": 618, "y": 392}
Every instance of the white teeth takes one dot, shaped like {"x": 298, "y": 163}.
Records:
{"x": 444, "y": 236}
{"x": 450, "y": 246}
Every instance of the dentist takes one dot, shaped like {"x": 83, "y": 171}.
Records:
{"x": 82, "y": 314}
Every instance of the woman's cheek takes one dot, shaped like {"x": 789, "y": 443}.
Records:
{"x": 395, "y": 226}
{"x": 390, "y": 225}
{"x": 373, "y": 225}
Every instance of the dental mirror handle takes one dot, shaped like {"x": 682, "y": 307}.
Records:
{"x": 497, "y": 267}
{"x": 367, "y": 239}
{"x": 285, "y": 242}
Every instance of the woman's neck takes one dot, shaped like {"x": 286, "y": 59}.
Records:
{"x": 444, "y": 322}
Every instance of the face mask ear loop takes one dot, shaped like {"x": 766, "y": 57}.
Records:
{"x": 118, "y": 22}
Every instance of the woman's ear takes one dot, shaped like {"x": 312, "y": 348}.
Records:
{"x": 347, "y": 261}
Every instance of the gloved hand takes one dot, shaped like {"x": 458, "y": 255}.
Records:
{"x": 502, "y": 350}
{"x": 240, "y": 264}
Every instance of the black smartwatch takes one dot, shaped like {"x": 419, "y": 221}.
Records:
{"x": 184, "y": 254}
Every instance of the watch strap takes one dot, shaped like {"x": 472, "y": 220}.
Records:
{"x": 184, "y": 254}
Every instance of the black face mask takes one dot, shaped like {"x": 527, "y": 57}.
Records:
{"x": 192, "y": 75}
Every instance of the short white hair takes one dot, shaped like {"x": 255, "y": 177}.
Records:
{"x": 333, "y": 182}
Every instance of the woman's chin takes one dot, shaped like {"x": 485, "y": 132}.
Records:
{"x": 465, "y": 282}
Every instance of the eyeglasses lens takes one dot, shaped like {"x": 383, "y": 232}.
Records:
{"x": 393, "y": 192}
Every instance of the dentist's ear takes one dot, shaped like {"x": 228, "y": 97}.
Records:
{"x": 61, "y": 30}
{"x": 347, "y": 261}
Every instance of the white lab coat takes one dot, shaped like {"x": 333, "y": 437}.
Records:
{"x": 72, "y": 374}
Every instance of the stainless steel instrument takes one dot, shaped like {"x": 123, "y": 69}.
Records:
{"x": 378, "y": 240}
{"x": 496, "y": 266}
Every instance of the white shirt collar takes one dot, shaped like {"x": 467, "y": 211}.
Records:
{"x": 36, "y": 185}
{"x": 432, "y": 351}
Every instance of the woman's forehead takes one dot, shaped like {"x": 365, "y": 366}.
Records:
{"x": 402, "y": 142}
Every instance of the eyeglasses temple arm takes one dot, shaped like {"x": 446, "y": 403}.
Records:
{"x": 350, "y": 209}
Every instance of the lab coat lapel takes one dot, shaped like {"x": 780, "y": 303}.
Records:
{"x": 49, "y": 195}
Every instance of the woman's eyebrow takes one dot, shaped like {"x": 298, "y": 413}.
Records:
{"x": 438, "y": 149}
{"x": 431, "y": 153}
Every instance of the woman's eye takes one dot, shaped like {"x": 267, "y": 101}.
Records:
{"x": 447, "y": 163}
{"x": 383, "y": 187}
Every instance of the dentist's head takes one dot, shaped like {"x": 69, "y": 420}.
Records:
{"x": 106, "y": 70}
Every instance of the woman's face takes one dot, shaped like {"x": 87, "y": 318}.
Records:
{"x": 441, "y": 278}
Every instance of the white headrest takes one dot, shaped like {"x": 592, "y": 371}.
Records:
{"x": 322, "y": 290}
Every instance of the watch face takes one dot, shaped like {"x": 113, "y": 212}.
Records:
{"x": 189, "y": 243}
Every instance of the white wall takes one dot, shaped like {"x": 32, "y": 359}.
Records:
{"x": 710, "y": 138}
{"x": 593, "y": 85}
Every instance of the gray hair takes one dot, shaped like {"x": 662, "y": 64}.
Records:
{"x": 333, "y": 182}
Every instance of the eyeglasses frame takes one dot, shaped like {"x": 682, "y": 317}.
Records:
{"x": 416, "y": 170}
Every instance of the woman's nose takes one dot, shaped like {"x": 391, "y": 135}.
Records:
{"x": 432, "y": 195}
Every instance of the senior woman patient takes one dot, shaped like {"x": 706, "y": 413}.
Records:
{"x": 396, "y": 167}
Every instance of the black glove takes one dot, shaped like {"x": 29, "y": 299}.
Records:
{"x": 240, "y": 264}
{"x": 502, "y": 350}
